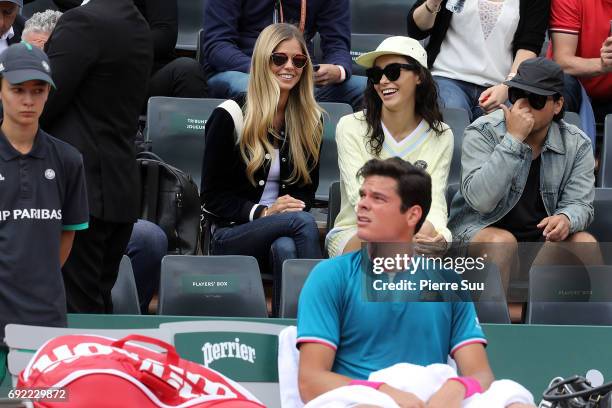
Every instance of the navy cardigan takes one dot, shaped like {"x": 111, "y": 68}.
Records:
{"x": 226, "y": 193}
{"x": 529, "y": 34}
{"x": 232, "y": 26}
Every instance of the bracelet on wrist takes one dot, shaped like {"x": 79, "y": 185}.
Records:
{"x": 472, "y": 386}
{"x": 436, "y": 11}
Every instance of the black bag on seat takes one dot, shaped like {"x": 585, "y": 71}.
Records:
{"x": 576, "y": 392}
{"x": 171, "y": 200}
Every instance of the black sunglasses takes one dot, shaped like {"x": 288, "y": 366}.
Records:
{"x": 536, "y": 101}
{"x": 391, "y": 71}
{"x": 280, "y": 58}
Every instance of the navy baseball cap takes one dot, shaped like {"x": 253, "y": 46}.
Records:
{"x": 539, "y": 75}
{"x": 23, "y": 62}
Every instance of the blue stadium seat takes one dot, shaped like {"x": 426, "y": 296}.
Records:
{"x": 329, "y": 172}
{"x": 458, "y": 120}
{"x": 605, "y": 166}
{"x": 190, "y": 14}
{"x": 124, "y": 293}
{"x": 228, "y": 285}
{"x": 575, "y": 295}
{"x": 295, "y": 272}
{"x": 175, "y": 129}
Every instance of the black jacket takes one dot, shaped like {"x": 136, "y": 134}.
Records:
{"x": 162, "y": 16}
{"x": 17, "y": 30}
{"x": 101, "y": 56}
{"x": 227, "y": 194}
{"x": 529, "y": 34}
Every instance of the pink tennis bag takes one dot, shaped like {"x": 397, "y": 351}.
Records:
{"x": 95, "y": 371}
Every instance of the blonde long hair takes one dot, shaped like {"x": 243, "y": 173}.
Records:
{"x": 302, "y": 114}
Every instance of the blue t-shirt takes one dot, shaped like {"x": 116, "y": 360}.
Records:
{"x": 370, "y": 336}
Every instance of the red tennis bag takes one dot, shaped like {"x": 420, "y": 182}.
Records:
{"x": 95, "y": 371}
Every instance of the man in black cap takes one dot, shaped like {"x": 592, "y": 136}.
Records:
{"x": 527, "y": 175}
{"x": 43, "y": 199}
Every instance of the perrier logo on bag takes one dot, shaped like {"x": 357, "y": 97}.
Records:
{"x": 228, "y": 349}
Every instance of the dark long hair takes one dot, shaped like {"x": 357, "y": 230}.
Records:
{"x": 426, "y": 105}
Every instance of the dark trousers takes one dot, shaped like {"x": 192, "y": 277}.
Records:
{"x": 91, "y": 270}
{"x": 148, "y": 245}
{"x": 271, "y": 240}
{"x": 181, "y": 78}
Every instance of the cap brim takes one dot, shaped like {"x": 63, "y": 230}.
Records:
{"x": 21, "y": 76}
{"x": 367, "y": 60}
{"x": 538, "y": 91}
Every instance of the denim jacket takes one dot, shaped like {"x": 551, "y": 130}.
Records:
{"x": 494, "y": 170}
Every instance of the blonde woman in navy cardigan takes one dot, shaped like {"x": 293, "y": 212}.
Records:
{"x": 258, "y": 188}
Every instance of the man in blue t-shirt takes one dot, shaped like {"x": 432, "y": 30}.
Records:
{"x": 343, "y": 338}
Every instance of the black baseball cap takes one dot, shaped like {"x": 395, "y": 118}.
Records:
{"x": 540, "y": 76}
{"x": 23, "y": 62}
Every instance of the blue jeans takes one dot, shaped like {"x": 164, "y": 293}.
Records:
{"x": 573, "y": 99}
{"x": 147, "y": 246}
{"x": 232, "y": 84}
{"x": 271, "y": 240}
{"x": 453, "y": 93}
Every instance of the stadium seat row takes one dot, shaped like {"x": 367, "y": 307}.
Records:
{"x": 175, "y": 130}
{"x": 231, "y": 286}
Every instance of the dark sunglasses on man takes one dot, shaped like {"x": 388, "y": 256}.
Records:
{"x": 280, "y": 58}
{"x": 391, "y": 72}
{"x": 536, "y": 101}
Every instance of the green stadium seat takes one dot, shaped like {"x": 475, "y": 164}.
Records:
{"x": 124, "y": 294}
{"x": 362, "y": 43}
{"x": 491, "y": 305}
{"x": 574, "y": 295}
{"x": 334, "y": 204}
{"x": 601, "y": 227}
{"x": 200, "y": 49}
{"x": 295, "y": 272}
{"x": 573, "y": 119}
{"x": 329, "y": 172}
{"x": 227, "y": 285}
{"x": 190, "y": 14}
{"x": 458, "y": 120}
{"x": 380, "y": 16}
{"x": 175, "y": 130}
{"x": 605, "y": 168}
{"x": 451, "y": 190}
